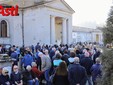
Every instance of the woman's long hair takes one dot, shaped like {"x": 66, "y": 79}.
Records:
{"x": 62, "y": 69}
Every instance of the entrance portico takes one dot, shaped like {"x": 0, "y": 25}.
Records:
{"x": 59, "y": 30}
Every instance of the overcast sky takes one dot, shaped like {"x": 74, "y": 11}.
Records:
{"x": 88, "y": 13}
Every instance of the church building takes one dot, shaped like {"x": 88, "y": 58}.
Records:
{"x": 44, "y": 21}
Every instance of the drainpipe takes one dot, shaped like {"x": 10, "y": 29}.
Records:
{"x": 23, "y": 28}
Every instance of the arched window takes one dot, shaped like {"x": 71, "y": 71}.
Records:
{"x": 3, "y": 28}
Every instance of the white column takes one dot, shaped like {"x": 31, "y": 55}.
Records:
{"x": 64, "y": 31}
{"x": 52, "y": 30}
{"x": 69, "y": 30}
{"x": 99, "y": 38}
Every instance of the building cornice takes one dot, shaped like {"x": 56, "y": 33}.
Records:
{"x": 58, "y": 9}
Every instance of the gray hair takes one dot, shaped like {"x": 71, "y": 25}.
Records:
{"x": 28, "y": 67}
{"x": 33, "y": 64}
{"x": 40, "y": 53}
{"x": 77, "y": 60}
{"x": 98, "y": 60}
{"x": 4, "y": 70}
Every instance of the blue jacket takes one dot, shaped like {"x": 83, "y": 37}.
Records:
{"x": 36, "y": 55}
{"x": 27, "y": 60}
{"x": 76, "y": 74}
{"x": 14, "y": 55}
{"x": 18, "y": 51}
{"x": 96, "y": 71}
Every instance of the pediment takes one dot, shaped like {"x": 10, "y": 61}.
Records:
{"x": 61, "y": 5}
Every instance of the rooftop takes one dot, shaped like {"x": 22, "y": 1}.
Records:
{"x": 84, "y": 29}
{"x": 23, "y": 3}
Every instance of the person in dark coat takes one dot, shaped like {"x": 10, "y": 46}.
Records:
{"x": 96, "y": 71}
{"x": 32, "y": 48}
{"x": 37, "y": 46}
{"x": 4, "y": 77}
{"x": 29, "y": 78}
{"x": 38, "y": 59}
{"x": 52, "y": 52}
{"x": 87, "y": 63}
{"x": 16, "y": 76}
{"x": 65, "y": 57}
{"x": 14, "y": 57}
{"x": 10, "y": 51}
{"x": 61, "y": 75}
{"x": 77, "y": 73}
{"x": 22, "y": 50}
{"x": 96, "y": 55}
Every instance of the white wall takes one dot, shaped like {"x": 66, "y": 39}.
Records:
{"x": 37, "y": 26}
{"x": 86, "y": 36}
{"x": 82, "y": 37}
{"x": 17, "y": 30}
{"x": 9, "y": 21}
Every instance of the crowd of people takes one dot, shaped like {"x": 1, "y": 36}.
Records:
{"x": 78, "y": 64}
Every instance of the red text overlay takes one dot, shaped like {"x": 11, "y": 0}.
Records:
{"x": 9, "y": 10}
